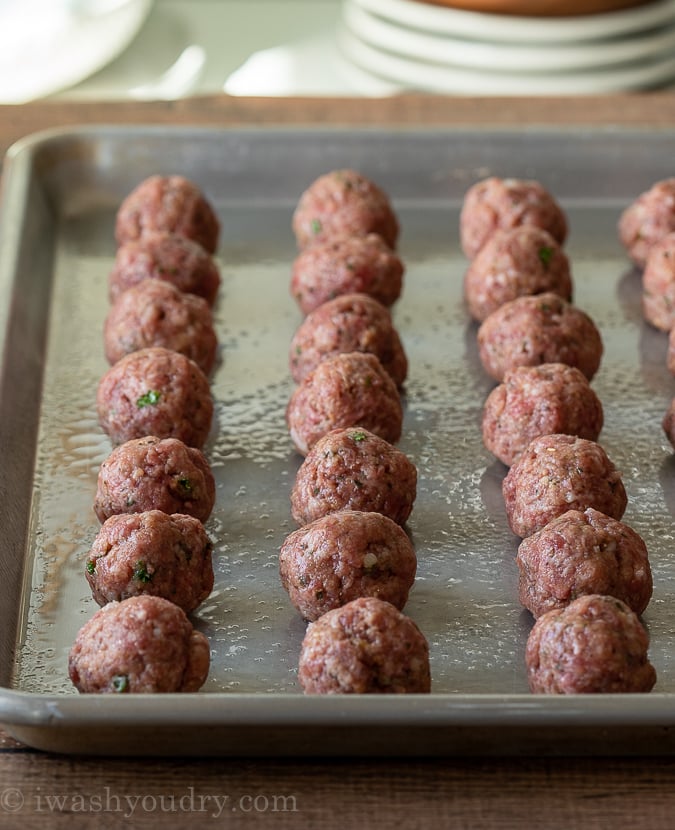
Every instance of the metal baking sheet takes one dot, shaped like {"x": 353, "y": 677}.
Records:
{"x": 60, "y": 191}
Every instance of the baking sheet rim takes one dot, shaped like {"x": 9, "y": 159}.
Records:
{"x": 278, "y": 709}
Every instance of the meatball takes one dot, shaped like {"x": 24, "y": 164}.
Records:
{"x": 156, "y": 313}
{"x": 155, "y": 391}
{"x": 364, "y": 647}
{"x": 539, "y": 400}
{"x": 168, "y": 258}
{"x": 557, "y": 473}
{"x": 344, "y": 202}
{"x": 595, "y": 645}
{"x": 349, "y": 323}
{"x": 346, "y": 265}
{"x": 143, "y": 644}
{"x": 151, "y": 553}
{"x": 344, "y": 556}
{"x": 647, "y": 220}
{"x": 155, "y": 474}
{"x": 658, "y": 284}
{"x": 353, "y": 469}
{"x": 499, "y": 204}
{"x": 172, "y": 204}
{"x": 345, "y": 390}
{"x": 582, "y": 553}
{"x": 539, "y": 329}
{"x": 514, "y": 263}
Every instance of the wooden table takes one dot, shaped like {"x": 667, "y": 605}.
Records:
{"x": 39, "y": 790}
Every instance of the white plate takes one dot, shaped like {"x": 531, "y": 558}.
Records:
{"x": 509, "y": 29}
{"x": 36, "y": 61}
{"x": 390, "y": 37}
{"x": 411, "y": 74}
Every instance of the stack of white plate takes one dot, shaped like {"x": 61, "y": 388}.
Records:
{"x": 421, "y": 46}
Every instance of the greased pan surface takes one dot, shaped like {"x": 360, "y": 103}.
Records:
{"x": 59, "y": 197}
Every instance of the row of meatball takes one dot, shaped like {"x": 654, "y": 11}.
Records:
{"x": 349, "y": 567}
{"x": 150, "y": 565}
{"x": 647, "y": 231}
{"x": 583, "y": 574}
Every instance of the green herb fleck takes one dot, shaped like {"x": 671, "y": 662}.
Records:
{"x": 150, "y": 398}
{"x": 358, "y": 436}
{"x": 141, "y": 573}
{"x": 185, "y": 484}
{"x": 91, "y": 566}
{"x": 545, "y": 255}
{"x": 120, "y": 683}
{"x": 316, "y": 226}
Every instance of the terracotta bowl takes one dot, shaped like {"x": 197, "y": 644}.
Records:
{"x": 540, "y": 8}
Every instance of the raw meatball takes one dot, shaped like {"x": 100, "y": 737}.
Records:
{"x": 647, "y": 220}
{"x": 353, "y": 469}
{"x": 350, "y": 323}
{"x": 143, "y": 644}
{"x": 557, "y": 473}
{"x": 172, "y": 204}
{"x": 155, "y": 474}
{"x": 156, "y": 313}
{"x": 539, "y": 400}
{"x": 158, "y": 392}
{"x": 151, "y": 553}
{"x": 658, "y": 284}
{"x": 344, "y": 202}
{"x": 515, "y": 263}
{"x": 539, "y": 329}
{"x": 166, "y": 257}
{"x": 344, "y": 556}
{"x": 499, "y": 204}
{"x": 583, "y": 553}
{"x": 345, "y": 390}
{"x": 365, "y": 647}
{"x": 346, "y": 265}
{"x": 595, "y": 645}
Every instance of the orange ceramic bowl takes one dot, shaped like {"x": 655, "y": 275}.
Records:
{"x": 540, "y": 8}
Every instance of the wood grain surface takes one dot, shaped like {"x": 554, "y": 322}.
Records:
{"x": 40, "y": 790}
{"x": 655, "y": 110}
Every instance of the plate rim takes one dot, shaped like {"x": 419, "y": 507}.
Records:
{"x": 387, "y": 36}
{"x": 503, "y": 28}
{"x": 461, "y": 80}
